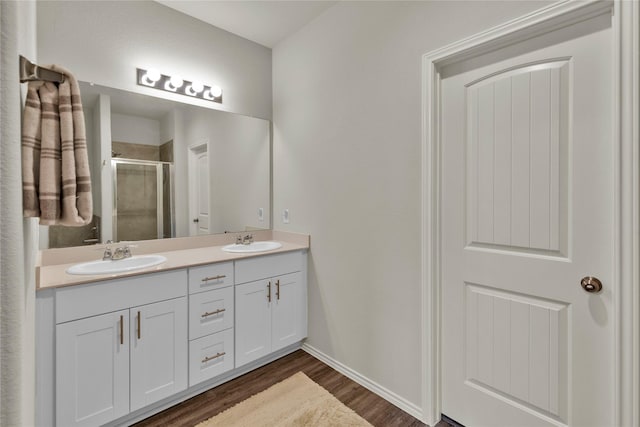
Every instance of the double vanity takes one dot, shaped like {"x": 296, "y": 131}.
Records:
{"x": 117, "y": 347}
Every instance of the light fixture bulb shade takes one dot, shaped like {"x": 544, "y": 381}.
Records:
{"x": 197, "y": 87}
{"x": 152, "y": 75}
{"x": 216, "y": 91}
{"x": 176, "y": 81}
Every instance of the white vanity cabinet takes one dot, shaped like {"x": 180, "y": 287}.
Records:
{"x": 115, "y": 351}
{"x": 211, "y": 321}
{"x": 110, "y": 364}
{"x": 271, "y": 305}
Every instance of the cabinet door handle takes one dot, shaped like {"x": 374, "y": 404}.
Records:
{"x": 278, "y": 290}
{"x": 121, "y": 330}
{"x": 211, "y": 313}
{"x": 207, "y": 359}
{"x": 218, "y": 277}
{"x": 139, "y": 327}
{"x": 269, "y": 292}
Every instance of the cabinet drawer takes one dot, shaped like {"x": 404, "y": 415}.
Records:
{"x": 210, "y": 312}
{"x": 249, "y": 270}
{"x": 209, "y": 277}
{"x": 76, "y": 302}
{"x": 210, "y": 356}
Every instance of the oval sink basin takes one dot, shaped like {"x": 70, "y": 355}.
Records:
{"x": 252, "y": 247}
{"x": 120, "y": 266}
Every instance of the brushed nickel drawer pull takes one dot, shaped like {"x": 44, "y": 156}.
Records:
{"x": 207, "y": 359}
{"x": 278, "y": 290}
{"x": 139, "y": 328}
{"x": 269, "y": 292}
{"x": 211, "y": 313}
{"x": 121, "y": 330}
{"x": 221, "y": 276}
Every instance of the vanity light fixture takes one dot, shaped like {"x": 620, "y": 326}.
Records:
{"x": 153, "y": 78}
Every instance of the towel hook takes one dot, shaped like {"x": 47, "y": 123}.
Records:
{"x": 30, "y": 72}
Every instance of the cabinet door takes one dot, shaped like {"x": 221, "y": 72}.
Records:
{"x": 158, "y": 351}
{"x": 253, "y": 320}
{"x": 286, "y": 311}
{"x": 92, "y": 370}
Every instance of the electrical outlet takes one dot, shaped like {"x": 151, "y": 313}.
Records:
{"x": 285, "y": 216}
{"x": 260, "y": 214}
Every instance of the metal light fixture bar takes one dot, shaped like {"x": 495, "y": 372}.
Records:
{"x": 153, "y": 79}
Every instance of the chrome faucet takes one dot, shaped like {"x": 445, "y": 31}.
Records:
{"x": 118, "y": 254}
{"x": 246, "y": 240}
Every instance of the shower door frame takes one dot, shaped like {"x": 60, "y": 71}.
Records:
{"x": 159, "y": 198}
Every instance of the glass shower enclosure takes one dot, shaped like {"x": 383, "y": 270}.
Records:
{"x": 142, "y": 200}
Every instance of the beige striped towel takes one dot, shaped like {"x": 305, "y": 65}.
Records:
{"x": 56, "y": 181}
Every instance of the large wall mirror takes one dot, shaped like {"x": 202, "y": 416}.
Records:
{"x": 164, "y": 169}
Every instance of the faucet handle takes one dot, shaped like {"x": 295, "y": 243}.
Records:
{"x": 127, "y": 251}
{"x": 107, "y": 254}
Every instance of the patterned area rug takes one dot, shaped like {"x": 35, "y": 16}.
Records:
{"x": 296, "y": 401}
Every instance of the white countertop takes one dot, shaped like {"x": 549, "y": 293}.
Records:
{"x": 52, "y": 274}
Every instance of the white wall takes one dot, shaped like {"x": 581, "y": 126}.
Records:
{"x": 27, "y": 46}
{"x": 167, "y": 125}
{"x": 181, "y": 184}
{"x": 102, "y": 127}
{"x": 135, "y": 130}
{"x": 19, "y": 237}
{"x": 104, "y": 41}
{"x": 93, "y": 153}
{"x": 347, "y": 135}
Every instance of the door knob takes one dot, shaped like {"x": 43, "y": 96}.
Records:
{"x": 196, "y": 220}
{"x": 591, "y": 284}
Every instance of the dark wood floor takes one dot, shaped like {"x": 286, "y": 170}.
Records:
{"x": 368, "y": 405}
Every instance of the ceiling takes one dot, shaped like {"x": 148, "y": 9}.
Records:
{"x": 264, "y": 22}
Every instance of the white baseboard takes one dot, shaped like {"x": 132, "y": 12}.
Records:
{"x": 391, "y": 397}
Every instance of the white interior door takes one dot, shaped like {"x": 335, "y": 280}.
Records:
{"x": 527, "y": 212}
{"x": 199, "y": 206}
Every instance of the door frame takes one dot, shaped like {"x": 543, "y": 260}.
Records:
{"x": 625, "y": 137}
{"x": 193, "y": 151}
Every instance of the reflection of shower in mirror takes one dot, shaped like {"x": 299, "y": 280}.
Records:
{"x": 142, "y": 200}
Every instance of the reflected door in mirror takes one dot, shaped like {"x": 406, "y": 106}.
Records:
{"x": 199, "y": 208}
